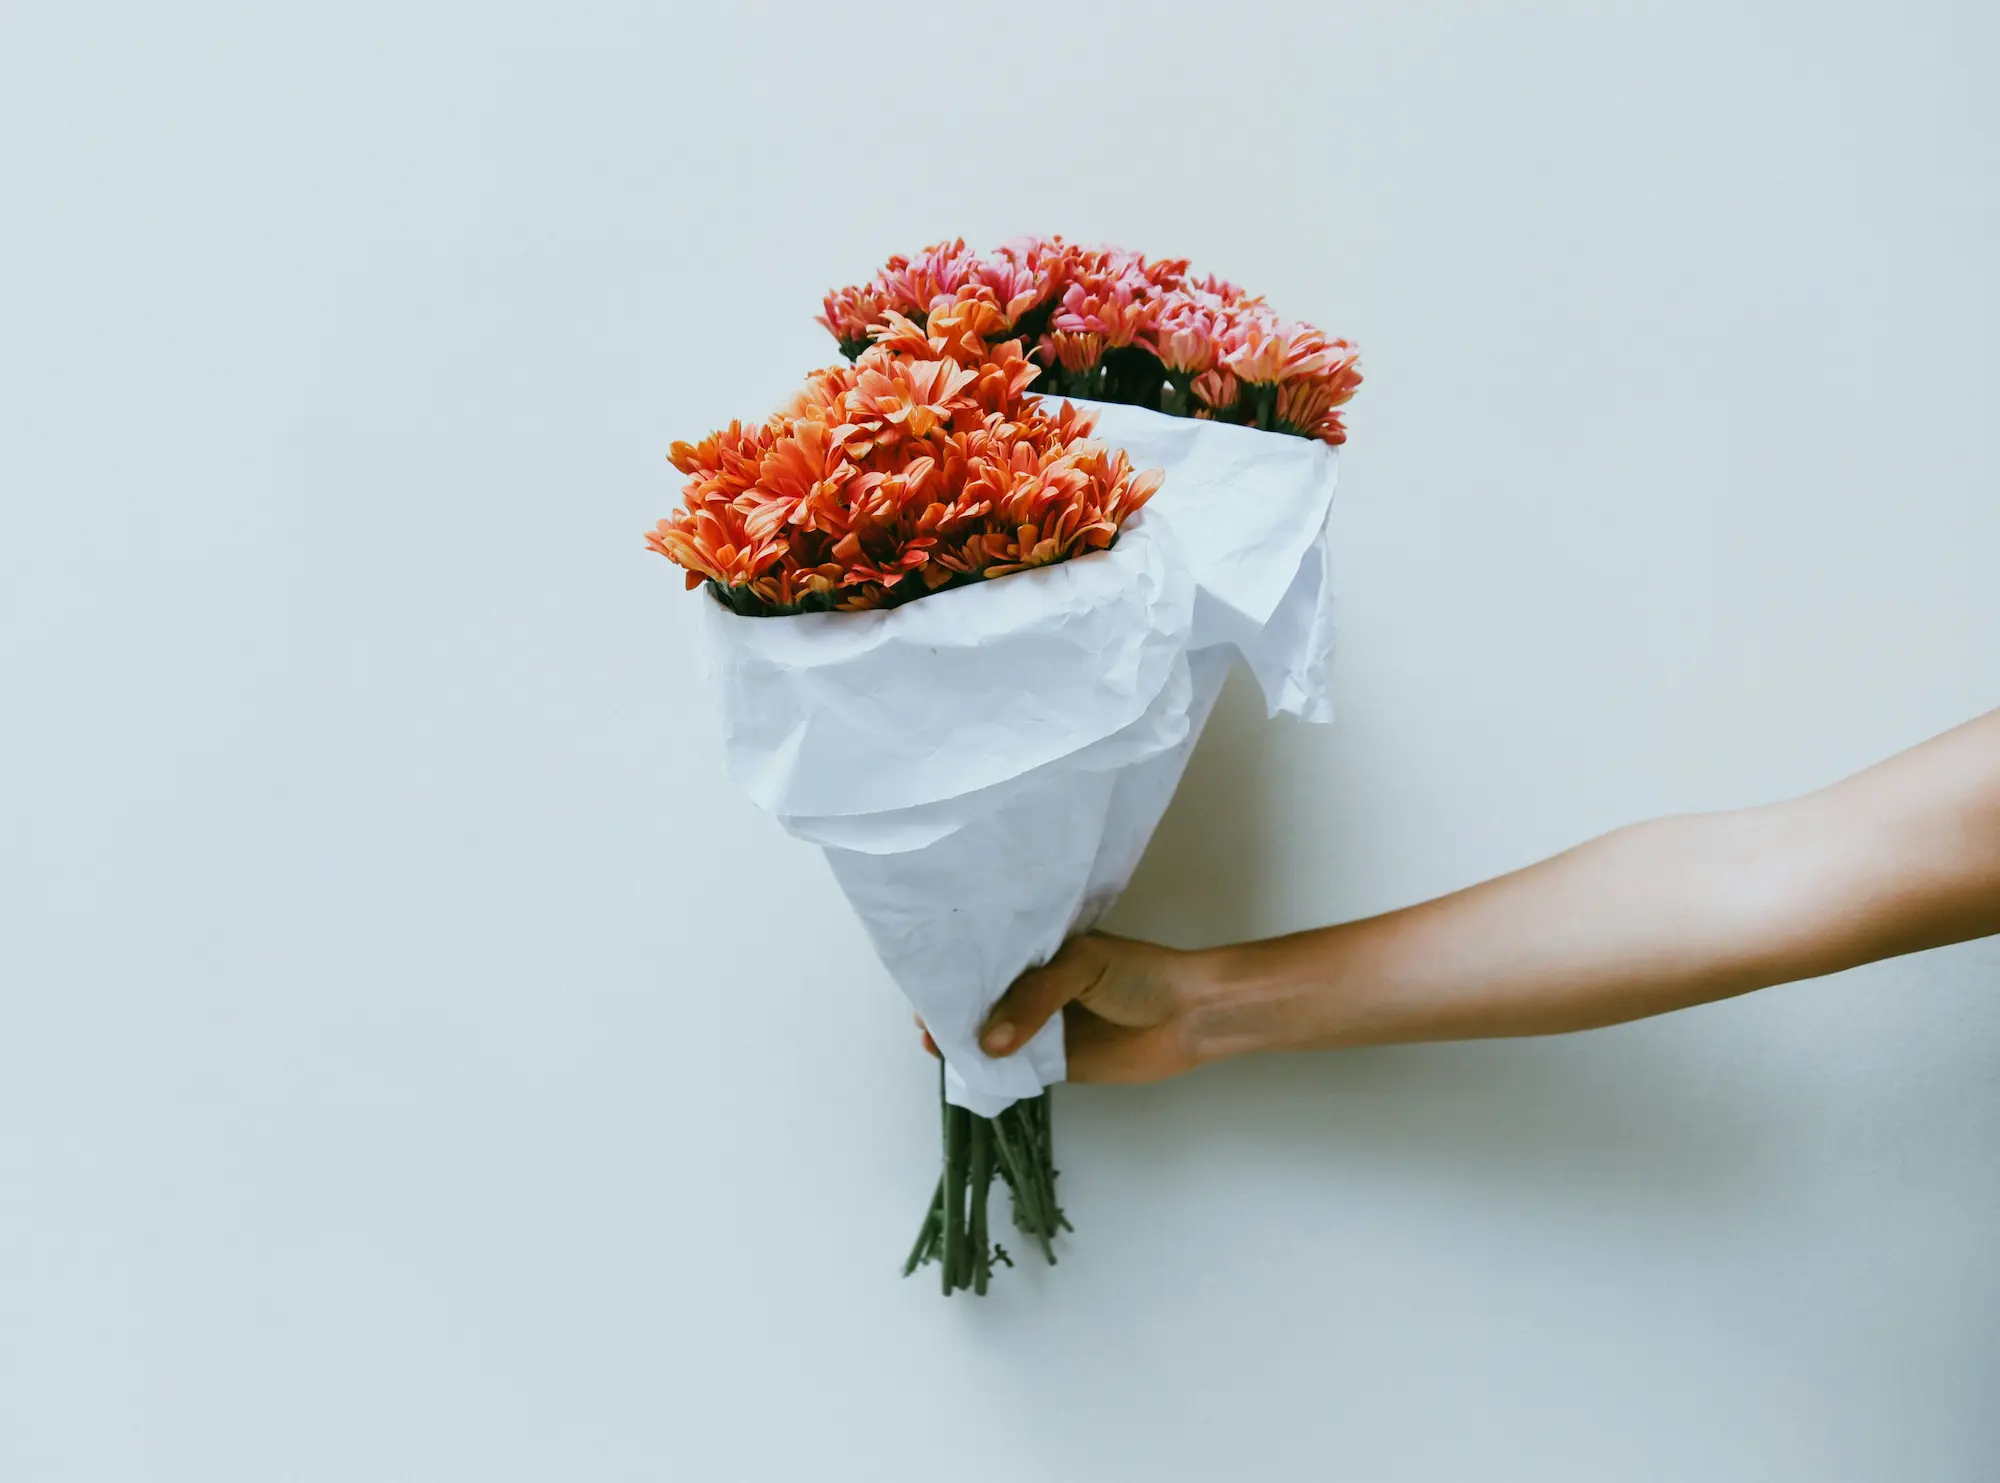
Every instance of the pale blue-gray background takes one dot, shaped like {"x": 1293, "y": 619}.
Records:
{"x": 417, "y": 1062}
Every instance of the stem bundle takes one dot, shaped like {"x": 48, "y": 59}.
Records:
{"x": 1017, "y": 1146}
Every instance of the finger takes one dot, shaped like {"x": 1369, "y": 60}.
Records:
{"x": 1037, "y": 994}
{"x": 925, "y": 1031}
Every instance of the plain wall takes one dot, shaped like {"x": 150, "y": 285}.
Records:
{"x": 417, "y": 1061}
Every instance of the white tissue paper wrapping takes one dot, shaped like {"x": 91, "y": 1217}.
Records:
{"x": 983, "y": 767}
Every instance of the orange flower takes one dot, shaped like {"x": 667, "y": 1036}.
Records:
{"x": 1005, "y": 374}
{"x": 913, "y": 396}
{"x": 729, "y": 456}
{"x": 799, "y": 482}
{"x": 821, "y": 398}
{"x": 898, "y": 476}
{"x": 711, "y": 545}
{"x": 961, "y": 325}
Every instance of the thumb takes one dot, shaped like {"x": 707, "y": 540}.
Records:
{"x": 1038, "y": 994}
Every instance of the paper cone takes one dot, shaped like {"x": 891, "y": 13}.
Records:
{"x": 983, "y": 767}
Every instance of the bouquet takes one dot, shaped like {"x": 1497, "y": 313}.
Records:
{"x": 965, "y": 635}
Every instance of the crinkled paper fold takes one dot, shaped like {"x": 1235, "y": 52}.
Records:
{"x": 983, "y": 767}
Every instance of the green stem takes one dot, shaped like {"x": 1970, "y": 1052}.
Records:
{"x": 1030, "y": 1213}
{"x": 927, "y": 1237}
{"x": 957, "y": 1124}
{"x": 1045, "y": 1121}
{"x": 982, "y": 1181}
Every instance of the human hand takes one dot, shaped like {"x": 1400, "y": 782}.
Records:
{"x": 1127, "y": 1009}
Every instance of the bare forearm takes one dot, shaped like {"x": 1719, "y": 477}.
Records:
{"x": 1653, "y": 918}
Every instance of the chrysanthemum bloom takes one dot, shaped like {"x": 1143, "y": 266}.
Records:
{"x": 1039, "y": 252}
{"x": 1254, "y": 348}
{"x": 1216, "y": 390}
{"x": 1074, "y": 351}
{"x": 1167, "y": 275}
{"x": 713, "y": 544}
{"x": 1005, "y": 374}
{"x": 1117, "y": 312}
{"x": 1221, "y": 291}
{"x": 1022, "y": 280}
{"x": 1185, "y": 338}
{"x": 939, "y": 269}
{"x": 1308, "y": 352}
{"x": 851, "y": 313}
{"x": 1265, "y": 350}
{"x": 912, "y": 397}
{"x": 729, "y": 456}
{"x": 962, "y": 325}
{"x": 1307, "y": 408}
{"x": 924, "y": 464}
{"x": 1048, "y": 512}
{"x": 801, "y": 479}
{"x": 1310, "y": 405}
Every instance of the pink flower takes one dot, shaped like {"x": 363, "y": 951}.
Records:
{"x": 1216, "y": 389}
{"x": 912, "y": 285}
{"x": 1310, "y": 405}
{"x": 1252, "y": 349}
{"x": 1074, "y": 350}
{"x": 1168, "y": 276}
{"x": 1024, "y": 275}
{"x": 1305, "y": 405}
{"x": 1200, "y": 346}
{"x": 1222, "y": 292}
{"x": 852, "y": 312}
{"x": 1266, "y": 351}
{"x": 1116, "y": 311}
{"x": 1184, "y": 338}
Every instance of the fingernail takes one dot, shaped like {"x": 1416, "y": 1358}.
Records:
{"x": 998, "y": 1036}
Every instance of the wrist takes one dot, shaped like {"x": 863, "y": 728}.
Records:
{"x": 1233, "y": 1004}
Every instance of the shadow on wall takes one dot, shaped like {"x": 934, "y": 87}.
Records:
{"x": 1623, "y": 1127}
{"x": 1636, "y": 1115}
{"x": 1214, "y": 864}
